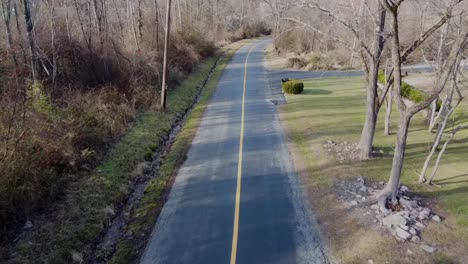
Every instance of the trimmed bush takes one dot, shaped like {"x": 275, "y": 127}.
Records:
{"x": 412, "y": 93}
{"x": 293, "y": 87}
{"x": 407, "y": 90}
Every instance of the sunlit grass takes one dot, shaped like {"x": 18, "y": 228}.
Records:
{"x": 334, "y": 108}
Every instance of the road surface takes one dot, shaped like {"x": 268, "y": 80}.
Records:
{"x": 236, "y": 198}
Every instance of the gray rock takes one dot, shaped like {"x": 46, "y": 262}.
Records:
{"x": 419, "y": 226}
{"x": 424, "y": 215}
{"x": 413, "y": 231}
{"x": 364, "y": 189}
{"x": 370, "y": 261}
{"x": 428, "y": 249}
{"x": 28, "y": 225}
{"x": 375, "y": 207}
{"x": 404, "y": 188}
{"x": 394, "y": 220}
{"x": 408, "y": 204}
{"x": 109, "y": 211}
{"x": 415, "y": 239}
{"x": 403, "y": 234}
{"x": 404, "y": 227}
{"x": 436, "y": 218}
{"x": 381, "y": 183}
{"x": 354, "y": 203}
{"x": 409, "y": 252}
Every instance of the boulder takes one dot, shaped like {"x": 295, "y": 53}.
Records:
{"x": 428, "y": 249}
{"x": 402, "y": 233}
{"x": 394, "y": 220}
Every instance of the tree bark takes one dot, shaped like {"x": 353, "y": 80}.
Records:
{"x": 368, "y": 131}
{"x": 31, "y": 38}
{"x": 6, "y": 8}
{"x": 388, "y": 112}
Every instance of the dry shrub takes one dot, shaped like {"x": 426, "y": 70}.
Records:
{"x": 64, "y": 123}
{"x": 297, "y": 63}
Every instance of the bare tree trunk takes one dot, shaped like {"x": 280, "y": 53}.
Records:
{"x": 6, "y": 11}
{"x": 166, "y": 47}
{"x": 433, "y": 115}
{"x": 406, "y": 113}
{"x": 156, "y": 26}
{"x": 390, "y": 190}
{"x": 368, "y": 131}
{"x": 20, "y": 34}
{"x": 442, "y": 151}
{"x": 32, "y": 42}
{"x": 443, "y": 125}
{"x": 388, "y": 112}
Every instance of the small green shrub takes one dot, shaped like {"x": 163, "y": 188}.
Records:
{"x": 293, "y": 87}
{"x": 407, "y": 90}
{"x": 412, "y": 93}
{"x": 382, "y": 77}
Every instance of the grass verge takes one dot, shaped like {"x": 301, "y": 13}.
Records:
{"x": 144, "y": 216}
{"x": 333, "y": 109}
{"x": 68, "y": 231}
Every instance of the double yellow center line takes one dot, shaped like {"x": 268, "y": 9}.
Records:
{"x": 239, "y": 167}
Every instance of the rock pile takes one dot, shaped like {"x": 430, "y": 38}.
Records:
{"x": 348, "y": 150}
{"x": 344, "y": 150}
{"x": 406, "y": 223}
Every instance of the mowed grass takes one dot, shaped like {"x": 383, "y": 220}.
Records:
{"x": 333, "y": 109}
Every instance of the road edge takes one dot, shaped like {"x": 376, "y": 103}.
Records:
{"x": 145, "y": 215}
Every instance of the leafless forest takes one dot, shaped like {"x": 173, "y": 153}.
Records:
{"x": 76, "y": 73}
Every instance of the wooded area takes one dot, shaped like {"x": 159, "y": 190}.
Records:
{"x": 74, "y": 74}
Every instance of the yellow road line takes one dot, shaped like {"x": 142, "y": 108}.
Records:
{"x": 239, "y": 168}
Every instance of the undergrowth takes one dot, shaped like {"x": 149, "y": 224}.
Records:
{"x": 71, "y": 227}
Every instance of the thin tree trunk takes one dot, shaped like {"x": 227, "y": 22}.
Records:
{"x": 156, "y": 26}
{"x": 433, "y": 115}
{"x": 442, "y": 151}
{"x": 6, "y": 6}
{"x": 32, "y": 42}
{"x": 440, "y": 132}
{"x": 388, "y": 112}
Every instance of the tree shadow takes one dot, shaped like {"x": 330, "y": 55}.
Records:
{"x": 317, "y": 91}
{"x": 448, "y": 180}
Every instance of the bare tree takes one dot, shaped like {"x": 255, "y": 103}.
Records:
{"x": 406, "y": 112}
{"x": 31, "y": 37}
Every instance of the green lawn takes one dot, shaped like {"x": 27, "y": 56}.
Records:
{"x": 333, "y": 109}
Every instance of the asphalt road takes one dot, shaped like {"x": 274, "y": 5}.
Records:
{"x": 236, "y": 198}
